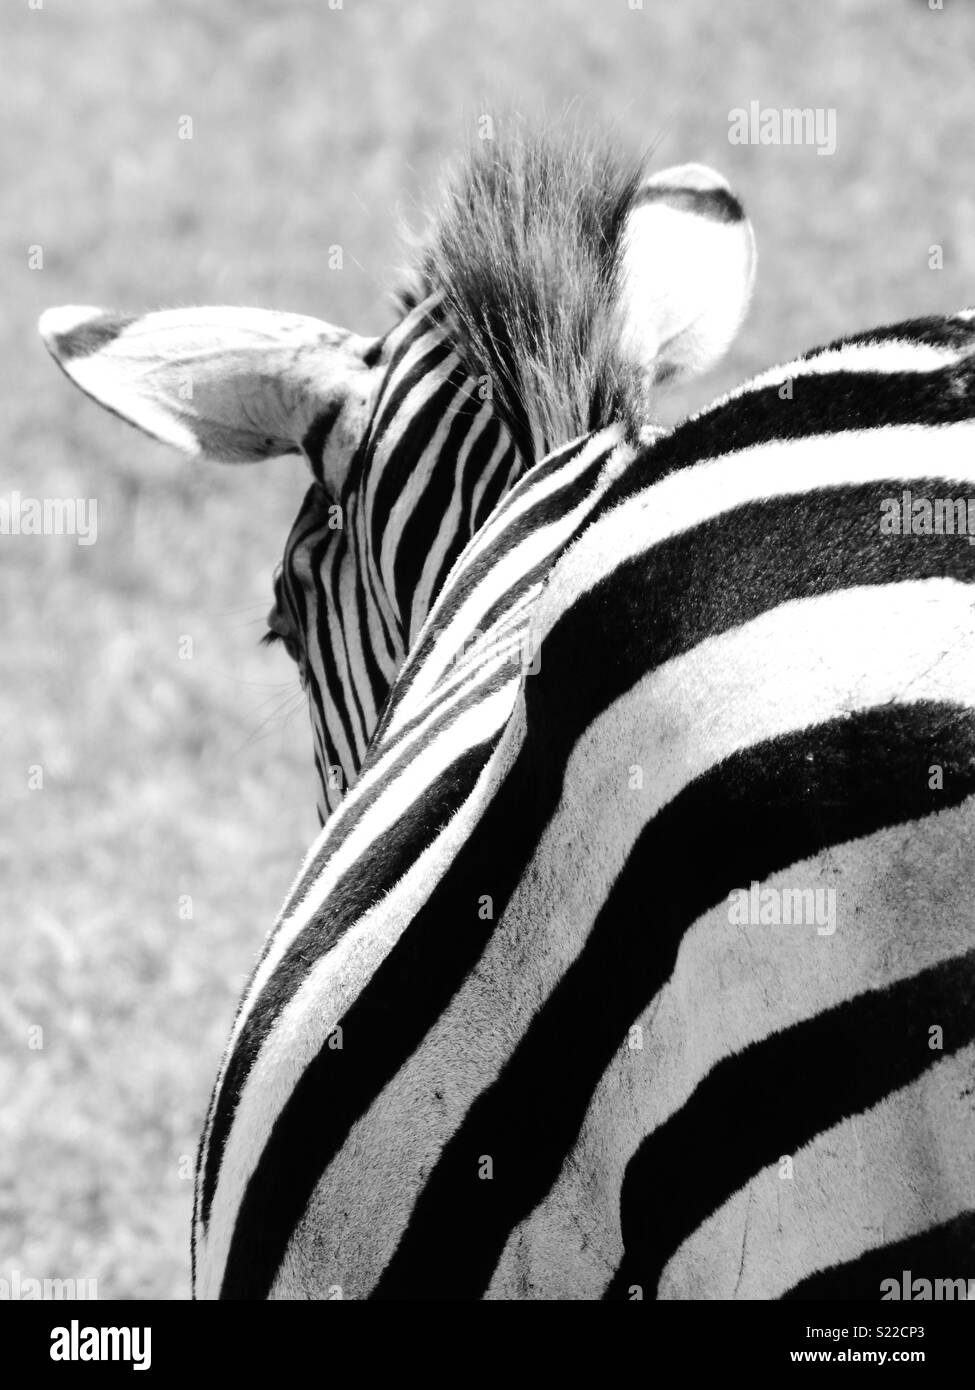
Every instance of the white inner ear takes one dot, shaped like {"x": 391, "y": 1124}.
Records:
{"x": 234, "y": 384}
{"x": 688, "y": 273}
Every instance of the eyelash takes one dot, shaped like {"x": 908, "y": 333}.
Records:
{"x": 291, "y": 647}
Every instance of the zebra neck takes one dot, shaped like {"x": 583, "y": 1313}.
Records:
{"x": 431, "y": 489}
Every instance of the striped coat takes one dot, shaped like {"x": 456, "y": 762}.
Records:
{"x": 533, "y": 1022}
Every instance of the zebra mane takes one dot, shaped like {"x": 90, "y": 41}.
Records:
{"x": 524, "y": 247}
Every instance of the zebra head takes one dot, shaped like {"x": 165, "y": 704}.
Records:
{"x": 555, "y": 285}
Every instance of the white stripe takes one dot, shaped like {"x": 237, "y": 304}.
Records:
{"x": 421, "y": 468}
{"x": 888, "y": 355}
{"x": 432, "y": 336}
{"x": 503, "y": 449}
{"x": 385, "y": 634}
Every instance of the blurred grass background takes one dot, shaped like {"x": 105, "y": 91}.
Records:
{"x": 311, "y": 127}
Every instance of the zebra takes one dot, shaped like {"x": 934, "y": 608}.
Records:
{"x": 427, "y": 1093}
{"x": 507, "y": 1039}
{"x": 413, "y": 437}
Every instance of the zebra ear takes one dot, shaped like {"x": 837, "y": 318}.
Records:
{"x": 231, "y": 384}
{"x": 688, "y": 270}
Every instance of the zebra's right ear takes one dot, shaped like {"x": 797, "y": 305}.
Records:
{"x": 232, "y": 384}
{"x": 687, "y": 273}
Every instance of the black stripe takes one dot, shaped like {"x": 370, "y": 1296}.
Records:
{"x": 399, "y": 475}
{"x": 467, "y": 473}
{"x": 758, "y": 812}
{"x": 848, "y": 1058}
{"x": 393, "y": 397}
{"x": 379, "y": 682}
{"x": 327, "y": 553}
{"x": 316, "y": 437}
{"x": 936, "y": 330}
{"x": 379, "y": 603}
{"x": 507, "y": 465}
{"x": 502, "y": 479}
{"x": 312, "y": 519}
{"x": 941, "y": 1252}
{"x": 278, "y": 1190}
{"x": 431, "y": 500}
{"x": 821, "y": 404}
{"x": 712, "y": 204}
{"x": 328, "y": 560}
{"x": 338, "y": 697}
{"x": 475, "y": 464}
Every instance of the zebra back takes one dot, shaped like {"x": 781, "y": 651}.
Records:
{"x": 645, "y": 967}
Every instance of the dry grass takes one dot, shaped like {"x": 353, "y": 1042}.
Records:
{"x": 165, "y": 777}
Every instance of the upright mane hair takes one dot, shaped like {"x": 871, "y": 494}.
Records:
{"x": 524, "y": 245}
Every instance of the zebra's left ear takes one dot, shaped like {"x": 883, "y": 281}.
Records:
{"x": 687, "y": 273}
{"x": 231, "y": 384}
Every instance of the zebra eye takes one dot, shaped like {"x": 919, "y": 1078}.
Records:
{"x": 292, "y": 647}
{"x": 281, "y": 629}
{"x": 289, "y": 642}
